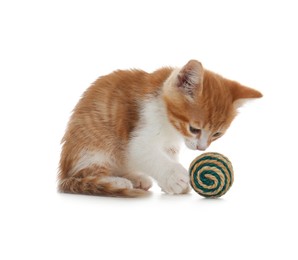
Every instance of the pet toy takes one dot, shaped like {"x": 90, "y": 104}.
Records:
{"x": 211, "y": 175}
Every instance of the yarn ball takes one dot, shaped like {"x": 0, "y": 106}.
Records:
{"x": 211, "y": 175}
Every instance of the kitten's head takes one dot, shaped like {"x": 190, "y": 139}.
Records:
{"x": 201, "y": 104}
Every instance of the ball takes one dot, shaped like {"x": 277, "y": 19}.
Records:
{"x": 211, "y": 175}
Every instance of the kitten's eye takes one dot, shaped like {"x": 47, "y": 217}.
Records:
{"x": 194, "y": 131}
{"x": 218, "y": 134}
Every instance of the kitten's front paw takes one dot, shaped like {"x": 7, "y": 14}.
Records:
{"x": 176, "y": 180}
{"x": 142, "y": 182}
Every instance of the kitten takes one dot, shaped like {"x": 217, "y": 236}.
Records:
{"x": 129, "y": 125}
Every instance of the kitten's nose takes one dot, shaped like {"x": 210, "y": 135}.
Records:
{"x": 201, "y": 148}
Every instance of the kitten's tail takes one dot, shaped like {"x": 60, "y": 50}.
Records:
{"x": 94, "y": 185}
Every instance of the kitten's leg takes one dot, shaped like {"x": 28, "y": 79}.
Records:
{"x": 171, "y": 176}
{"x": 91, "y": 176}
{"x": 173, "y": 153}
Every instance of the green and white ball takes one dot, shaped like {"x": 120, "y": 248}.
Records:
{"x": 211, "y": 175}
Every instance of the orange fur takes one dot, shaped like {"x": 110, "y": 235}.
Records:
{"x": 213, "y": 105}
{"x": 109, "y": 112}
{"x": 103, "y": 120}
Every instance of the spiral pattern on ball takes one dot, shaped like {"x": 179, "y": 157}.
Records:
{"x": 211, "y": 174}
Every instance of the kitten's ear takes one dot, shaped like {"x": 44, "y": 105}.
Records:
{"x": 190, "y": 78}
{"x": 242, "y": 94}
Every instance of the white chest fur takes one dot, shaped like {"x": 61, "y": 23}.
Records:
{"x": 155, "y": 131}
{"x": 153, "y": 136}
{"x": 147, "y": 151}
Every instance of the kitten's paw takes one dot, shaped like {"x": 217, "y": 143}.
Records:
{"x": 176, "y": 180}
{"x": 139, "y": 181}
{"x": 142, "y": 182}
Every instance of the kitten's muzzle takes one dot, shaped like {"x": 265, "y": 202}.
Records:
{"x": 201, "y": 148}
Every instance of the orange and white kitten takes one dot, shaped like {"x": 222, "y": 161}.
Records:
{"x": 129, "y": 125}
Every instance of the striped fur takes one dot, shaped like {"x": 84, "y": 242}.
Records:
{"x": 128, "y": 126}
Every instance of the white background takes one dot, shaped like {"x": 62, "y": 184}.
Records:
{"x": 50, "y": 52}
